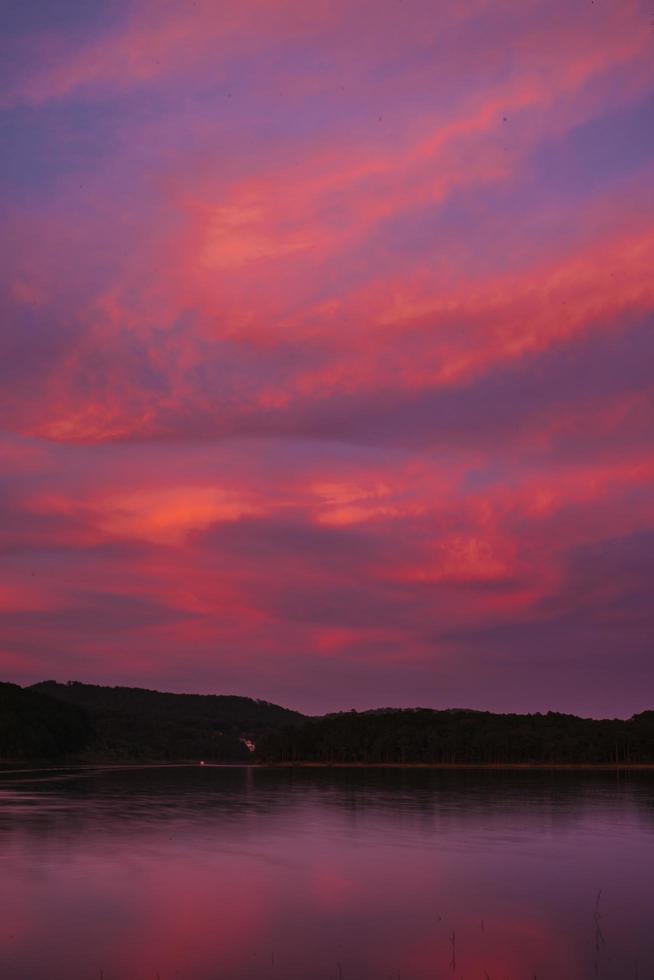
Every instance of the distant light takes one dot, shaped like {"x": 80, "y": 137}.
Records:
{"x": 201, "y": 762}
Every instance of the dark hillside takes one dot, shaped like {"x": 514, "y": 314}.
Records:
{"x": 34, "y": 726}
{"x": 138, "y": 724}
{"x": 132, "y": 724}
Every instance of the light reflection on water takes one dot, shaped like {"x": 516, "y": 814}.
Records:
{"x": 245, "y": 874}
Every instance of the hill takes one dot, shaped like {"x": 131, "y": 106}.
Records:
{"x": 462, "y": 737}
{"x": 127, "y": 724}
{"x": 131, "y": 723}
{"x": 35, "y": 726}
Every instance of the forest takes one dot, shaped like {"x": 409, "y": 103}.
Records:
{"x": 422, "y": 736}
{"x": 35, "y": 726}
{"x": 91, "y": 723}
{"x": 135, "y": 724}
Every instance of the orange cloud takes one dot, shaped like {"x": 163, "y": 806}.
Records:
{"x": 167, "y": 515}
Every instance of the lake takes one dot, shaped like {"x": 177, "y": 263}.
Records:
{"x": 210, "y": 873}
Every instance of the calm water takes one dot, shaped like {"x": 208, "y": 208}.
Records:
{"x": 243, "y": 874}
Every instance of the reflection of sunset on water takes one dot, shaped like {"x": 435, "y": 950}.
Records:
{"x": 258, "y": 874}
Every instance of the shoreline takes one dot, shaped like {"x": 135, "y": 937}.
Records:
{"x": 527, "y": 766}
{"x": 23, "y": 768}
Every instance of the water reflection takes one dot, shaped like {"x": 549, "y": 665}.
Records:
{"x": 209, "y": 873}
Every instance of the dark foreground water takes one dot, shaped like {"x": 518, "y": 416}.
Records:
{"x": 244, "y": 874}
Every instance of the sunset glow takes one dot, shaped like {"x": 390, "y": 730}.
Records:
{"x": 326, "y": 353}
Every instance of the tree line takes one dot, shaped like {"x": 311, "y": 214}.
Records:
{"x": 422, "y": 736}
{"x": 88, "y": 722}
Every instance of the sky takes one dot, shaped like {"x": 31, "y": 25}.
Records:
{"x": 326, "y": 350}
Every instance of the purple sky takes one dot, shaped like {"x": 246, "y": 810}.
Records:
{"x": 326, "y": 350}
